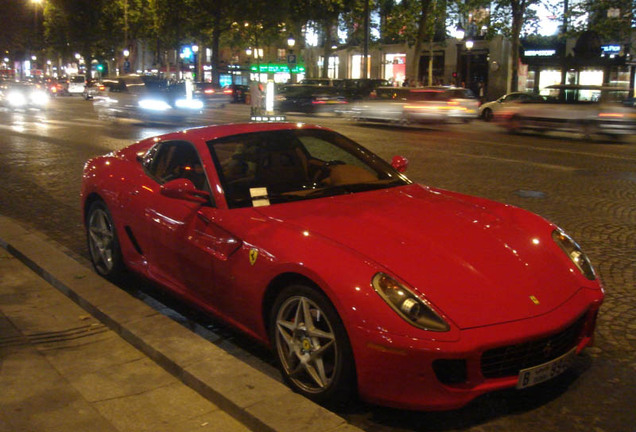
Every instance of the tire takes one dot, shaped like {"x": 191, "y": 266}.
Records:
{"x": 103, "y": 242}
{"x": 514, "y": 124}
{"x": 589, "y": 129}
{"x": 487, "y": 114}
{"x": 315, "y": 359}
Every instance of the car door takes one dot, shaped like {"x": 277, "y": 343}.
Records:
{"x": 165, "y": 227}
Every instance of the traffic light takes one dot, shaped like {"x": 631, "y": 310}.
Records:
{"x": 100, "y": 67}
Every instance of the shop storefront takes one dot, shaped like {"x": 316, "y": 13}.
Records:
{"x": 394, "y": 68}
{"x": 588, "y": 63}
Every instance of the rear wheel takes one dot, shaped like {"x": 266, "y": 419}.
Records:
{"x": 312, "y": 346}
{"x": 514, "y": 124}
{"x": 103, "y": 243}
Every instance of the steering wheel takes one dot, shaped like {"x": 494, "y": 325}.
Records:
{"x": 325, "y": 170}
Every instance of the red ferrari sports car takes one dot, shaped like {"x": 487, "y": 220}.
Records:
{"x": 359, "y": 279}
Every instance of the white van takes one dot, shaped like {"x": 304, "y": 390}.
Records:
{"x": 76, "y": 84}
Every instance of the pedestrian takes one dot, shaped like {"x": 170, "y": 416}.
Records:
{"x": 482, "y": 91}
{"x": 256, "y": 97}
{"x": 406, "y": 82}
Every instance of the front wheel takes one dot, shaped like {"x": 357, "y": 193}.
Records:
{"x": 312, "y": 346}
{"x": 103, "y": 243}
{"x": 487, "y": 114}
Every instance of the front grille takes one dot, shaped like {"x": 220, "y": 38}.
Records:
{"x": 509, "y": 360}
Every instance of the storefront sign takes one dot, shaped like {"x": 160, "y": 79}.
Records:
{"x": 539, "y": 53}
{"x": 611, "y": 49}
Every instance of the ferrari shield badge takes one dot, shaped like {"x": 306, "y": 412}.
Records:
{"x": 533, "y": 298}
{"x": 253, "y": 255}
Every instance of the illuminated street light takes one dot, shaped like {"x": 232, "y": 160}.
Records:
{"x": 126, "y": 53}
{"x": 291, "y": 41}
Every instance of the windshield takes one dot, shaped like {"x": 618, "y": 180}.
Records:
{"x": 289, "y": 165}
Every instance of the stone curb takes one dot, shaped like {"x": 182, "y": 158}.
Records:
{"x": 256, "y": 400}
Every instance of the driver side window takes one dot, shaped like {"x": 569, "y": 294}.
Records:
{"x": 173, "y": 160}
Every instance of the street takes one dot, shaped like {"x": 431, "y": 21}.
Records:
{"x": 587, "y": 188}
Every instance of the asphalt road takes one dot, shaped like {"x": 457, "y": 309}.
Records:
{"x": 588, "y": 188}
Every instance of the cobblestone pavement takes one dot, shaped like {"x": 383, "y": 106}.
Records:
{"x": 587, "y": 188}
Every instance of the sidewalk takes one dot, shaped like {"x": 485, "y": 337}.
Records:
{"x": 62, "y": 370}
{"x": 115, "y": 364}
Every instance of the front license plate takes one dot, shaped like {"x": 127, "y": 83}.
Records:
{"x": 543, "y": 372}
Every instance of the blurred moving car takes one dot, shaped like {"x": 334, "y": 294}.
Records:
{"x": 238, "y": 92}
{"x": 17, "y": 95}
{"x": 487, "y": 110}
{"x": 92, "y": 89}
{"x": 407, "y": 105}
{"x": 76, "y": 84}
{"x": 319, "y": 81}
{"x": 147, "y": 98}
{"x": 213, "y": 96}
{"x": 56, "y": 86}
{"x": 360, "y": 280}
{"x": 359, "y": 88}
{"x": 587, "y": 109}
{"x": 309, "y": 99}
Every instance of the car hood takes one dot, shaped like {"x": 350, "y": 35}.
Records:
{"x": 479, "y": 262}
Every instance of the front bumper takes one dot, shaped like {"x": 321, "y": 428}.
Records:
{"x": 410, "y": 373}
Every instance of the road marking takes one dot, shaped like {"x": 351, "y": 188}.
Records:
{"x": 525, "y": 162}
{"x": 553, "y": 150}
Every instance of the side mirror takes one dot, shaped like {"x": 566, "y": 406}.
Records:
{"x": 184, "y": 189}
{"x": 400, "y": 163}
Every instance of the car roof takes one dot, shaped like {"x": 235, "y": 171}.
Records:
{"x": 585, "y": 87}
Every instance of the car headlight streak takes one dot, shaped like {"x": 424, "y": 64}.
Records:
{"x": 574, "y": 252}
{"x": 154, "y": 104}
{"x": 409, "y": 306}
{"x": 189, "y": 104}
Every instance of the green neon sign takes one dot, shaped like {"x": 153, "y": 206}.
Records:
{"x": 276, "y": 68}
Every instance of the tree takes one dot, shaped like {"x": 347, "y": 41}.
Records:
{"x": 325, "y": 14}
{"x": 499, "y": 21}
{"x": 73, "y": 26}
{"x": 416, "y": 22}
{"x": 17, "y": 34}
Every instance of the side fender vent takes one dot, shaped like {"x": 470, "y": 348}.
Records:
{"x": 133, "y": 240}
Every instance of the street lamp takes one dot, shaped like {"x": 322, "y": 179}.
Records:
{"x": 459, "y": 35}
{"x": 126, "y": 53}
{"x": 195, "y": 50}
{"x": 469, "y": 46}
{"x": 36, "y": 31}
{"x": 291, "y": 57}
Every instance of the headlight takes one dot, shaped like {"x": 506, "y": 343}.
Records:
{"x": 409, "y": 306}
{"x": 154, "y": 104}
{"x": 39, "y": 98}
{"x": 16, "y": 98}
{"x": 189, "y": 104}
{"x": 574, "y": 252}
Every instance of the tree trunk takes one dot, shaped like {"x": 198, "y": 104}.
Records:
{"x": 518, "y": 11}
{"x": 327, "y": 48}
{"x": 216, "y": 38}
{"x": 413, "y": 71}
